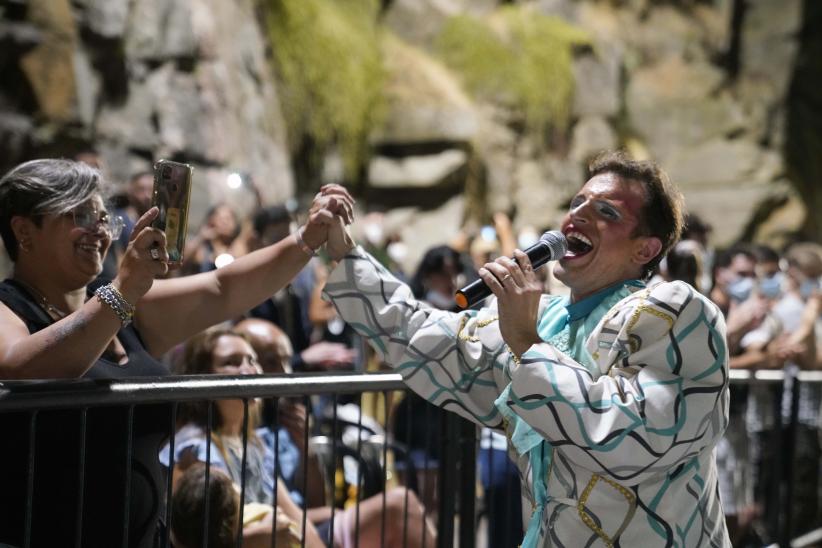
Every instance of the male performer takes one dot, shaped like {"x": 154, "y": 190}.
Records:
{"x": 613, "y": 399}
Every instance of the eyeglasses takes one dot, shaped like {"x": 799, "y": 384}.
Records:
{"x": 90, "y": 219}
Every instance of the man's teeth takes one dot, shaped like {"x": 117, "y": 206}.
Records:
{"x": 581, "y": 237}
{"x": 89, "y": 247}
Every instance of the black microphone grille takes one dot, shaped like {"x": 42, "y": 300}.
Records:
{"x": 556, "y": 242}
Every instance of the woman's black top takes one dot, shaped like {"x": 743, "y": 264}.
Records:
{"x": 60, "y": 497}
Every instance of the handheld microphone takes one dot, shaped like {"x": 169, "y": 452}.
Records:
{"x": 551, "y": 246}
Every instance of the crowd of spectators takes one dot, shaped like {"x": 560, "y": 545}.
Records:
{"x": 771, "y": 301}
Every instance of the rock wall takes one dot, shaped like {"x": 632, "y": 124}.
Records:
{"x": 702, "y": 86}
{"x": 137, "y": 81}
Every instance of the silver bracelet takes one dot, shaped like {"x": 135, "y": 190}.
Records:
{"x": 109, "y": 295}
{"x": 298, "y": 235}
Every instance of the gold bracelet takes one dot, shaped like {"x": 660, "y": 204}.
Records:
{"x": 298, "y": 236}
{"x": 514, "y": 357}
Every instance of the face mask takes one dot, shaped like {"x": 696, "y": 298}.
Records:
{"x": 808, "y": 287}
{"x": 740, "y": 289}
{"x": 374, "y": 234}
{"x": 438, "y": 300}
{"x": 771, "y": 287}
{"x": 398, "y": 251}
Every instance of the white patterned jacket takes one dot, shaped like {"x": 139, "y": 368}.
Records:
{"x": 624, "y": 455}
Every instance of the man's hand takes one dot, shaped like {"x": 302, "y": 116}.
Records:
{"x": 340, "y": 242}
{"x": 518, "y": 292}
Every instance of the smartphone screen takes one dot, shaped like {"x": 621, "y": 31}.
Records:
{"x": 172, "y": 191}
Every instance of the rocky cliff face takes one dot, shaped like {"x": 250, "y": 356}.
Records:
{"x": 702, "y": 86}
{"x": 137, "y": 81}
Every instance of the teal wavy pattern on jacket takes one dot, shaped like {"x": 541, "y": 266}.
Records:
{"x": 614, "y": 435}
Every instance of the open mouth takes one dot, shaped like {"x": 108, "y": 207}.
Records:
{"x": 578, "y": 244}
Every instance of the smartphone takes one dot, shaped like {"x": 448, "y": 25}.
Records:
{"x": 172, "y": 192}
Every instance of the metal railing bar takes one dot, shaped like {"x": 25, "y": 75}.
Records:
{"x": 39, "y": 395}
{"x": 30, "y": 480}
{"x": 787, "y": 476}
{"x": 447, "y": 484}
{"x": 468, "y": 480}
{"x": 384, "y": 468}
{"x": 206, "y": 504}
{"x": 243, "y": 467}
{"x": 359, "y": 473}
{"x": 276, "y": 472}
{"x": 424, "y": 490}
{"x": 809, "y": 376}
{"x": 81, "y": 479}
{"x": 770, "y": 375}
{"x": 490, "y": 509}
{"x": 409, "y": 481}
{"x": 811, "y": 538}
{"x": 170, "y": 475}
{"x": 42, "y": 395}
{"x": 304, "y": 458}
{"x": 129, "y": 451}
{"x": 334, "y": 468}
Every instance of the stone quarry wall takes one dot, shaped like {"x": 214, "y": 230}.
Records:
{"x": 700, "y": 86}
{"x": 137, "y": 81}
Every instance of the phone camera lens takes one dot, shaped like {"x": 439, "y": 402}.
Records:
{"x": 167, "y": 172}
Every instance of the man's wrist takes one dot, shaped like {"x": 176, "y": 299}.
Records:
{"x": 518, "y": 348}
{"x": 339, "y": 254}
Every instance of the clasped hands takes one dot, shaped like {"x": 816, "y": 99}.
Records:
{"x": 331, "y": 212}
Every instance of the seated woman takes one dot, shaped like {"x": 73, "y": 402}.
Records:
{"x": 227, "y": 352}
{"x": 56, "y": 229}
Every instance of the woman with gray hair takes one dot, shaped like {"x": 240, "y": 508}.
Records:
{"x": 53, "y": 325}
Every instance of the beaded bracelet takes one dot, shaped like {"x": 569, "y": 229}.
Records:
{"x": 298, "y": 235}
{"x": 114, "y": 299}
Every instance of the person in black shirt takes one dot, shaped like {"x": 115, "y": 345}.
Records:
{"x": 53, "y": 325}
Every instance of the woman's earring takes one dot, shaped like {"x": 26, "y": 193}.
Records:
{"x": 25, "y": 245}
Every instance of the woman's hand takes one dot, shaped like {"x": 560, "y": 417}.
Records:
{"x": 330, "y": 202}
{"x": 518, "y": 294}
{"x": 144, "y": 259}
{"x": 294, "y": 417}
{"x": 286, "y": 529}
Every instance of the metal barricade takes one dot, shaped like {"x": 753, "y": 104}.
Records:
{"x": 779, "y": 515}
{"x": 452, "y": 491}
{"x": 456, "y": 467}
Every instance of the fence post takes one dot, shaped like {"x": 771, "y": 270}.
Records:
{"x": 468, "y": 483}
{"x": 789, "y": 443}
{"x": 447, "y": 480}
{"x": 774, "y": 489}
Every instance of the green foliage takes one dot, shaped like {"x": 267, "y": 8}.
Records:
{"x": 517, "y": 57}
{"x": 327, "y": 56}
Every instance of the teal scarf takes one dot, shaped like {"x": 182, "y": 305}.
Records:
{"x": 566, "y": 326}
